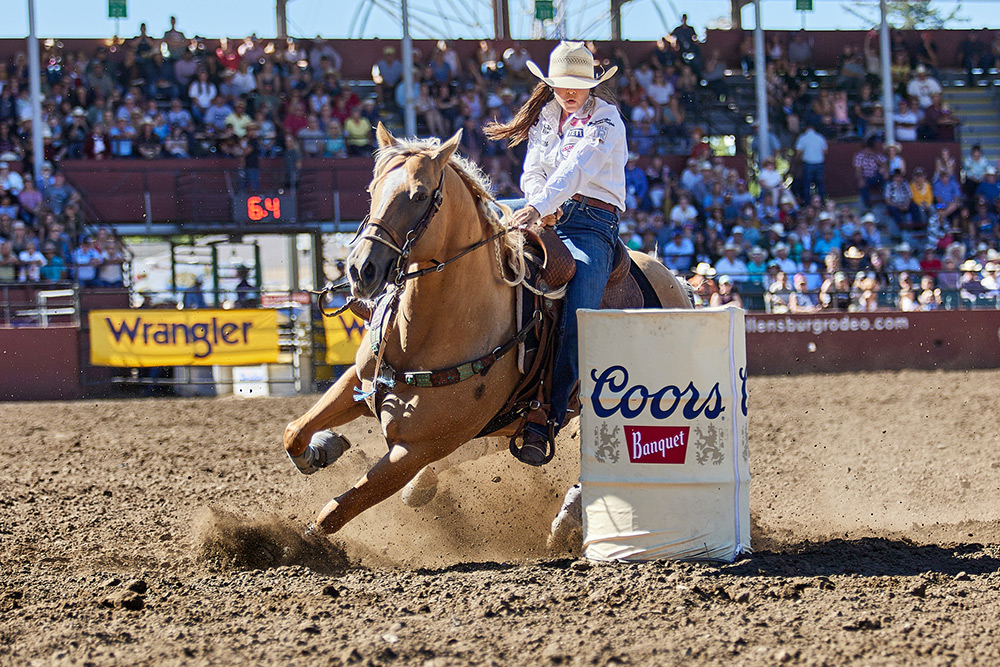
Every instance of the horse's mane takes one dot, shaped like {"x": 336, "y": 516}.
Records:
{"x": 479, "y": 186}
{"x": 472, "y": 175}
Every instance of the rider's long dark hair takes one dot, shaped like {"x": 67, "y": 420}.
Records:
{"x": 516, "y": 130}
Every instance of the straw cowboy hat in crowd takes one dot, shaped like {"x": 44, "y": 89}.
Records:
{"x": 571, "y": 65}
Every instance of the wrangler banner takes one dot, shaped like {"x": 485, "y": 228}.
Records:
{"x": 183, "y": 337}
{"x": 344, "y": 334}
{"x": 665, "y": 463}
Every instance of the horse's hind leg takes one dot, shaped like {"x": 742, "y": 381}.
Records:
{"x": 337, "y": 406}
{"x": 386, "y": 477}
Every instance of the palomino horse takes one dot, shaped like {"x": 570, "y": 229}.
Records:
{"x": 429, "y": 206}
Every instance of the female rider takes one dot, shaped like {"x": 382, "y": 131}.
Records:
{"x": 575, "y": 164}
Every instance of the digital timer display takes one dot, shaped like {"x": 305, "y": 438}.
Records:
{"x": 264, "y": 208}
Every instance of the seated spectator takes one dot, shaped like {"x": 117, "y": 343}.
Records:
{"x": 781, "y": 258}
{"x": 904, "y": 261}
{"x": 30, "y": 201}
{"x": 802, "y": 299}
{"x": 678, "y": 254}
{"x": 989, "y": 189}
{"x": 312, "y": 137}
{"x": 902, "y": 209}
{"x": 974, "y": 169}
{"x": 971, "y": 286}
{"x": 333, "y": 145}
{"x": 644, "y": 135}
{"x": 921, "y": 192}
{"x": 778, "y": 293}
{"x": 87, "y": 259}
{"x": 727, "y": 294}
{"x": 730, "y": 264}
{"x": 757, "y": 266}
{"x": 636, "y": 185}
{"x": 930, "y": 297}
{"x": 177, "y": 144}
{"x": 703, "y": 282}
{"x": 30, "y": 263}
{"x": 54, "y": 268}
{"x": 217, "y": 114}
{"x": 109, "y": 273}
{"x": 10, "y": 180}
{"x": 147, "y": 144}
{"x": 239, "y": 120}
{"x": 835, "y": 293}
{"x": 59, "y": 194}
{"x": 947, "y": 196}
{"x": 122, "y": 139}
{"x": 9, "y": 263}
{"x": 906, "y": 122}
{"x": 937, "y": 122}
{"x": 683, "y": 212}
{"x": 771, "y": 182}
{"x": 358, "y": 133}
{"x": 923, "y": 86}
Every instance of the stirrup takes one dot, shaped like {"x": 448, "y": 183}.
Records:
{"x": 547, "y": 453}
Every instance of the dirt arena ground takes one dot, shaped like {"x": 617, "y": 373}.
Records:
{"x": 876, "y": 505}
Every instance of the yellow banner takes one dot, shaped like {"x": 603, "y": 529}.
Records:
{"x": 344, "y": 334}
{"x": 183, "y": 337}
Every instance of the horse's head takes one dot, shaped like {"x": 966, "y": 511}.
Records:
{"x": 403, "y": 203}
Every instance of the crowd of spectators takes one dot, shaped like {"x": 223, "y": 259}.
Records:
{"x": 771, "y": 235}
{"x": 916, "y": 243}
{"x": 43, "y": 235}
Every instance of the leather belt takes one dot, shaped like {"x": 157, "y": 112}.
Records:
{"x": 596, "y": 203}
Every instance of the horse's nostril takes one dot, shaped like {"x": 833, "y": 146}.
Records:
{"x": 368, "y": 272}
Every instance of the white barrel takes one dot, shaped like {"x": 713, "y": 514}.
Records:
{"x": 665, "y": 462}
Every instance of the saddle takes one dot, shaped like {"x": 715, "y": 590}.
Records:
{"x": 550, "y": 267}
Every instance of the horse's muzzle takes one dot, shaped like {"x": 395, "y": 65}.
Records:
{"x": 368, "y": 269}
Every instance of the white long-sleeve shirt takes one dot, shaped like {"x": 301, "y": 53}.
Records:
{"x": 588, "y": 158}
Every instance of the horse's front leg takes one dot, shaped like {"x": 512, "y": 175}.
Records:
{"x": 336, "y": 407}
{"x": 386, "y": 477}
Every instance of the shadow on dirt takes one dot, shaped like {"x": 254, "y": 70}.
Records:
{"x": 867, "y": 557}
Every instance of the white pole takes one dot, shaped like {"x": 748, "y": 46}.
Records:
{"x": 887, "y": 96}
{"x": 409, "y": 110}
{"x": 763, "y": 132}
{"x": 35, "y": 88}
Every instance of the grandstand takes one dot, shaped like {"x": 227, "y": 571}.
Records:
{"x": 245, "y": 139}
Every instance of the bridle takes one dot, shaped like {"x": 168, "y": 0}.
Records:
{"x": 370, "y": 229}
{"x": 375, "y": 229}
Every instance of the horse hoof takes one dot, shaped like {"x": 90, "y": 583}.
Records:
{"x": 331, "y": 446}
{"x": 566, "y": 532}
{"x": 421, "y": 489}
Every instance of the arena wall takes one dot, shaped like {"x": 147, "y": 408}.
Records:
{"x": 40, "y": 363}
{"x": 891, "y": 340}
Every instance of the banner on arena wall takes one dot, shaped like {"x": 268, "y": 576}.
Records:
{"x": 344, "y": 334}
{"x": 664, "y": 465}
{"x": 138, "y": 338}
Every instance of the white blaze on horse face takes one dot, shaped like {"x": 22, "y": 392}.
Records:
{"x": 391, "y": 184}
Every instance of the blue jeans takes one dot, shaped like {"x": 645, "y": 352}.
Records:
{"x": 813, "y": 173}
{"x": 590, "y": 234}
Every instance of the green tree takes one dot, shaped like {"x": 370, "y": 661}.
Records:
{"x": 907, "y": 15}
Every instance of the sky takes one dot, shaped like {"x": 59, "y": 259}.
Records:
{"x": 642, "y": 19}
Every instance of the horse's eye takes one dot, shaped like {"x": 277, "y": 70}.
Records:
{"x": 422, "y": 196}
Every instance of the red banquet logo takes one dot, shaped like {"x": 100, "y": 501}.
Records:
{"x": 657, "y": 444}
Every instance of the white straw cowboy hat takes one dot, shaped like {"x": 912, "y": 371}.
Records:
{"x": 571, "y": 65}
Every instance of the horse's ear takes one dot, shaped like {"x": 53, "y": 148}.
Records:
{"x": 384, "y": 138}
{"x": 448, "y": 147}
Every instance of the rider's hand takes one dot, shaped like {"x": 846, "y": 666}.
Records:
{"x": 525, "y": 217}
